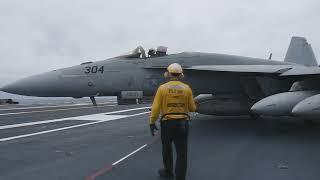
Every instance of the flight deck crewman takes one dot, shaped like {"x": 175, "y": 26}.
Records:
{"x": 173, "y": 100}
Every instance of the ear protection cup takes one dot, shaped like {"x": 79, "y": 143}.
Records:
{"x": 166, "y": 75}
{"x": 181, "y": 76}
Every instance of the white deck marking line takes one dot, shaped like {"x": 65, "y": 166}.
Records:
{"x": 40, "y": 107}
{"x": 30, "y": 124}
{"x": 95, "y": 117}
{"x": 126, "y": 110}
{"x": 51, "y": 110}
{"x": 132, "y": 153}
{"x": 83, "y": 118}
{"x": 91, "y": 117}
{"x": 64, "y": 128}
{"x": 43, "y": 107}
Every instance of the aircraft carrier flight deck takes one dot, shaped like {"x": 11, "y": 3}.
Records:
{"x": 111, "y": 141}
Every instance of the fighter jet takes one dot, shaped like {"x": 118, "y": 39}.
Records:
{"x": 225, "y": 85}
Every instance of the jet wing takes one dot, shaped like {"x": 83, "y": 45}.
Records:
{"x": 302, "y": 71}
{"x": 264, "y": 69}
{"x": 280, "y": 70}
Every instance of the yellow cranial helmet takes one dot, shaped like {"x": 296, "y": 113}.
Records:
{"x": 175, "y": 68}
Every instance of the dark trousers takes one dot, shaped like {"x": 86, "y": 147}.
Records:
{"x": 175, "y": 131}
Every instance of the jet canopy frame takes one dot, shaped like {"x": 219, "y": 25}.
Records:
{"x": 140, "y": 53}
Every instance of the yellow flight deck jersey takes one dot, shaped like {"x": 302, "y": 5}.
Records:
{"x": 172, "y": 97}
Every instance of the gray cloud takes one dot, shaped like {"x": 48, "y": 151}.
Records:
{"x": 41, "y": 35}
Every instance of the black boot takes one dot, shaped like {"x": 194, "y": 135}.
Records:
{"x": 165, "y": 174}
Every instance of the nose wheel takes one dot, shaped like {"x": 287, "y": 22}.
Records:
{"x": 93, "y": 100}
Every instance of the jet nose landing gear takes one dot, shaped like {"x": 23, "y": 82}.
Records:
{"x": 93, "y": 100}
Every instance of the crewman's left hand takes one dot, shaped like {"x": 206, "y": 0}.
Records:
{"x": 153, "y": 128}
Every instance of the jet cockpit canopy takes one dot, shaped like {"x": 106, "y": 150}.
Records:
{"x": 139, "y": 52}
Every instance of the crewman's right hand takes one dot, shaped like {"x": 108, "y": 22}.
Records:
{"x": 153, "y": 128}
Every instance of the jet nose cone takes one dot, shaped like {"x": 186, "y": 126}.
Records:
{"x": 4, "y": 88}
{"x": 12, "y": 88}
{"x": 33, "y": 86}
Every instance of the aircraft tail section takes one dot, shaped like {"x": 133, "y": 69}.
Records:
{"x": 300, "y": 52}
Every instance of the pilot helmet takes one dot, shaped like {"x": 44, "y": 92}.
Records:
{"x": 152, "y": 50}
{"x": 162, "y": 49}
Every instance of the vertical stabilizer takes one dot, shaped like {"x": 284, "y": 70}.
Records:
{"x": 300, "y": 52}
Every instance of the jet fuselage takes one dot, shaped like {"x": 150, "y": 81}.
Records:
{"x": 110, "y": 77}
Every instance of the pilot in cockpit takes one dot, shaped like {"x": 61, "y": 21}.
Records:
{"x": 152, "y": 53}
{"x": 139, "y": 52}
{"x": 161, "y": 51}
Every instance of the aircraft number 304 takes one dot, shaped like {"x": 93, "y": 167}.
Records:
{"x": 94, "y": 69}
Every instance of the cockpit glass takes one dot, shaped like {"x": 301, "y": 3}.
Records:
{"x": 139, "y": 52}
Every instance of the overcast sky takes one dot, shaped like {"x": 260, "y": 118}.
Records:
{"x": 42, "y": 35}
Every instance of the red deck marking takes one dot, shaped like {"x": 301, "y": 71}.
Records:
{"x": 102, "y": 171}
{"x": 109, "y": 167}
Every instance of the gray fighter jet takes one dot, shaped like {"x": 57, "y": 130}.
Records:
{"x": 224, "y": 84}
